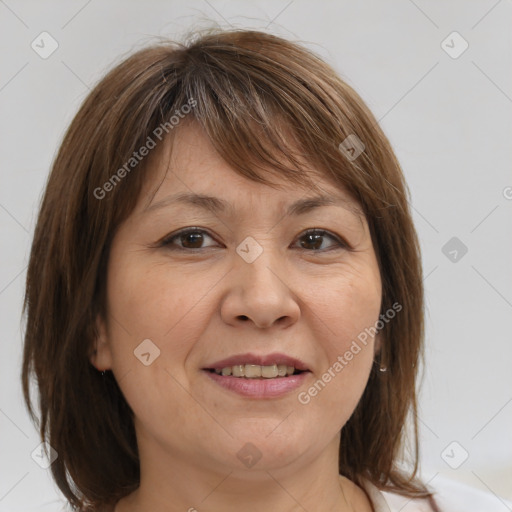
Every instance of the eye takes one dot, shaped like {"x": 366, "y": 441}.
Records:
{"x": 190, "y": 238}
{"x": 314, "y": 239}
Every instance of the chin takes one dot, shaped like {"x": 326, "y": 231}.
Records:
{"x": 266, "y": 445}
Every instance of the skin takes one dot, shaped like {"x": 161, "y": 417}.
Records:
{"x": 205, "y": 303}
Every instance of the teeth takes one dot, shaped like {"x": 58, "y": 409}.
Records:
{"x": 238, "y": 370}
{"x": 252, "y": 371}
{"x": 255, "y": 371}
{"x": 269, "y": 372}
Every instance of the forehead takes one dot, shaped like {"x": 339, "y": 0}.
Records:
{"x": 189, "y": 170}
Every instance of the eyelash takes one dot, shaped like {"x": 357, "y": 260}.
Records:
{"x": 168, "y": 240}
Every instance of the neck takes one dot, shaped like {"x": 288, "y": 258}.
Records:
{"x": 171, "y": 483}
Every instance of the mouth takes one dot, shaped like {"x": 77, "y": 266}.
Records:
{"x": 255, "y": 376}
{"x": 254, "y": 371}
{"x": 252, "y": 366}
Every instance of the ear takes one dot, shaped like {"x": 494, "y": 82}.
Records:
{"x": 101, "y": 355}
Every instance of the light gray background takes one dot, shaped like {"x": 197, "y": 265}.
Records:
{"x": 449, "y": 120}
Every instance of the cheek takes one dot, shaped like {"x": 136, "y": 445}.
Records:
{"x": 347, "y": 311}
{"x": 148, "y": 302}
{"x": 155, "y": 300}
{"x": 348, "y": 302}
{"x": 152, "y": 302}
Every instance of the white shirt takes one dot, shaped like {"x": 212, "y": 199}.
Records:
{"x": 450, "y": 496}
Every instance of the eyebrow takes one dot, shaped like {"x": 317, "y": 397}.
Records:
{"x": 217, "y": 205}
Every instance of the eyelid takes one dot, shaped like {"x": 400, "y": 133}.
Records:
{"x": 340, "y": 241}
{"x": 166, "y": 240}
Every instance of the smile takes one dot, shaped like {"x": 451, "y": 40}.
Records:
{"x": 254, "y": 371}
{"x": 259, "y": 387}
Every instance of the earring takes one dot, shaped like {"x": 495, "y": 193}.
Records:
{"x": 381, "y": 367}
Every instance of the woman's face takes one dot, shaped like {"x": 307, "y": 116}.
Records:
{"x": 250, "y": 280}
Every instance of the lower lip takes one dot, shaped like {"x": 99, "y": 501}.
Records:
{"x": 259, "y": 388}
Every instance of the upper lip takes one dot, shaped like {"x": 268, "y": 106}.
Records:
{"x": 262, "y": 360}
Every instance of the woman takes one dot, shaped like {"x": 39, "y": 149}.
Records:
{"x": 224, "y": 296}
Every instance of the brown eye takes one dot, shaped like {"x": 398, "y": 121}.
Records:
{"x": 313, "y": 240}
{"x": 192, "y": 240}
{"x": 186, "y": 239}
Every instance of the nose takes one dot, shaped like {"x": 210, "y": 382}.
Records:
{"x": 259, "y": 293}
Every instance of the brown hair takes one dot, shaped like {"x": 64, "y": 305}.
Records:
{"x": 247, "y": 86}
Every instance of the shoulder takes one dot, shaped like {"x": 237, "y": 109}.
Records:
{"x": 450, "y": 496}
{"x": 453, "y": 496}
